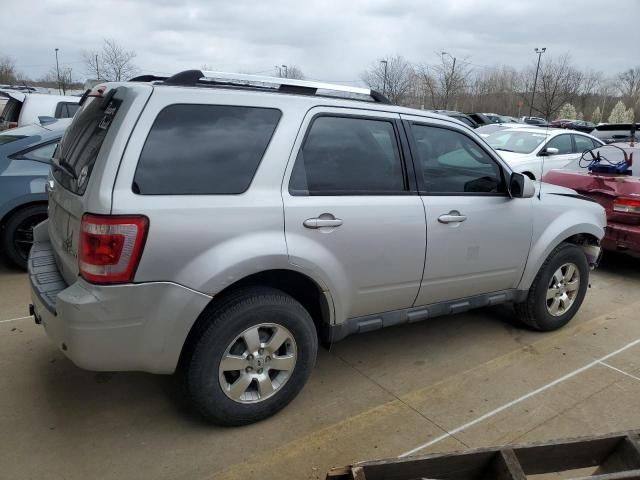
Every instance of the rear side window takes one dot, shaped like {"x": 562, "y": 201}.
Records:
{"x": 348, "y": 156}
{"x": 66, "y": 109}
{"x": 584, "y": 143}
{"x": 204, "y": 149}
{"x": 82, "y": 141}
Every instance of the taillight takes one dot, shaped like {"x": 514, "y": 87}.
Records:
{"x": 626, "y": 205}
{"x": 111, "y": 247}
{"x": 12, "y": 125}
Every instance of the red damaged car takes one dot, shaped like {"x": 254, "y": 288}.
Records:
{"x": 608, "y": 175}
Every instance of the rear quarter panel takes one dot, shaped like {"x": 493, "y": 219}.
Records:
{"x": 207, "y": 242}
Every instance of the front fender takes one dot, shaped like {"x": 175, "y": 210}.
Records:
{"x": 570, "y": 223}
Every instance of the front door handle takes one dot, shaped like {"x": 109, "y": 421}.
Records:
{"x": 452, "y": 217}
{"x": 322, "y": 222}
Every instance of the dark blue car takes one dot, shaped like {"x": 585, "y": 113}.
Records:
{"x": 24, "y": 156}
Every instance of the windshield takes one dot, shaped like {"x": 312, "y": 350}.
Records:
{"x": 514, "y": 141}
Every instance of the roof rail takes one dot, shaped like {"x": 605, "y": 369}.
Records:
{"x": 283, "y": 85}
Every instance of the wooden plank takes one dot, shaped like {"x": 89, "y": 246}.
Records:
{"x": 452, "y": 466}
{"x": 628, "y": 475}
{"x": 557, "y": 457}
{"x": 626, "y": 456}
{"x": 505, "y": 466}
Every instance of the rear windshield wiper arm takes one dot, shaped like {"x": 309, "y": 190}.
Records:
{"x": 65, "y": 167}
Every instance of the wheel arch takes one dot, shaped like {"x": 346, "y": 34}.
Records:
{"x": 317, "y": 301}
{"x": 586, "y": 235}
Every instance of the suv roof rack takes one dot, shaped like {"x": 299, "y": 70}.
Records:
{"x": 275, "y": 84}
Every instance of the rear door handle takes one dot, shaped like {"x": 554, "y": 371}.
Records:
{"x": 322, "y": 222}
{"x": 452, "y": 217}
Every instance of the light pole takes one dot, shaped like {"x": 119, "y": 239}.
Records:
{"x": 384, "y": 79}
{"x": 539, "y": 51}
{"x": 58, "y": 72}
{"x": 286, "y": 72}
{"x": 448, "y": 78}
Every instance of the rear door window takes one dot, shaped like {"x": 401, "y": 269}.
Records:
{"x": 82, "y": 141}
{"x": 348, "y": 156}
{"x": 66, "y": 109}
{"x": 204, "y": 149}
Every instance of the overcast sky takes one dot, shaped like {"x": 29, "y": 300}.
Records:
{"x": 332, "y": 40}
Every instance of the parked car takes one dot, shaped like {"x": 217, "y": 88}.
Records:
{"x": 617, "y": 132}
{"x": 581, "y": 126}
{"x": 26, "y": 108}
{"x": 529, "y": 149}
{"x": 24, "y": 156}
{"x": 618, "y": 193}
{"x": 463, "y": 117}
{"x": 486, "y": 130}
{"x": 561, "y": 123}
{"x": 480, "y": 118}
{"x": 536, "y": 121}
{"x": 218, "y": 225}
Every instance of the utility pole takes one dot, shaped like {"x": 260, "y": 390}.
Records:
{"x": 384, "y": 79}
{"x": 447, "y": 80}
{"x": 58, "y": 72}
{"x": 97, "y": 67}
{"x": 539, "y": 51}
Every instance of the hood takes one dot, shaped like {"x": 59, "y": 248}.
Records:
{"x": 557, "y": 189}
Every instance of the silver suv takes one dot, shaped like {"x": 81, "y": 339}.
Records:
{"x": 218, "y": 226}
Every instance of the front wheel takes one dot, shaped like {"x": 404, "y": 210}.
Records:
{"x": 252, "y": 357}
{"x": 557, "y": 291}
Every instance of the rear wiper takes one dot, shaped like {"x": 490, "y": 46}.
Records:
{"x": 65, "y": 167}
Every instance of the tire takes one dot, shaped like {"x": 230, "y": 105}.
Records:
{"x": 227, "y": 331}
{"x": 18, "y": 230}
{"x": 536, "y": 311}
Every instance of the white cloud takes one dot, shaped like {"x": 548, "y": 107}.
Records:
{"x": 330, "y": 40}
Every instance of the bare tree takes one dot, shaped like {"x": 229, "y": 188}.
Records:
{"x": 558, "y": 83}
{"x": 64, "y": 81}
{"x": 112, "y": 64}
{"x": 393, "y": 76}
{"x": 7, "y": 71}
{"x": 290, "y": 71}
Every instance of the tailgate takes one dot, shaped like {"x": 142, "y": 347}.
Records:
{"x": 88, "y": 156}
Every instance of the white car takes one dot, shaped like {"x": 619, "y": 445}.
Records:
{"x": 25, "y": 108}
{"x": 534, "y": 150}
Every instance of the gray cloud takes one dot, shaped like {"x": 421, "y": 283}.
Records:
{"x": 330, "y": 40}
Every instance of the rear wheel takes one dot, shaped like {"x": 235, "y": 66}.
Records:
{"x": 557, "y": 291}
{"x": 252, "y": 357}
{"x": 17, "y": 236}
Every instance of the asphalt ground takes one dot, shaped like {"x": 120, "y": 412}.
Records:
{"x": 470, "y": 380}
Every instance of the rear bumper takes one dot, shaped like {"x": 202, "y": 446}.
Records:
{"x": 622, "y": 238}
{"x": 127, "y": 327}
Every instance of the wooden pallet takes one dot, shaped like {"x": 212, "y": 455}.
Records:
{"x": 612, "y": 457}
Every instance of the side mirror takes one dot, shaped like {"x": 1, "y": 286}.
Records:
{"x": 521, "y": 186}
{"x": 547, "y": 152}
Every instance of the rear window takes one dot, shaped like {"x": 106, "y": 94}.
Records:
{"x": 82, "y": 141}
{"x": 204, "y": 149}
{"x": 66, "y": 109}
